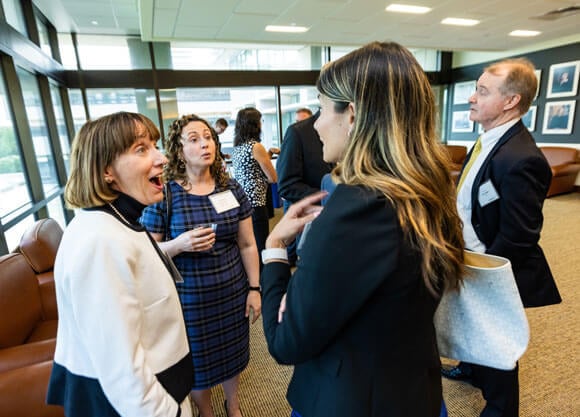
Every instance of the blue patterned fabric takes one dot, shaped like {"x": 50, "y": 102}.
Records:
{"x": 215, "y": 288}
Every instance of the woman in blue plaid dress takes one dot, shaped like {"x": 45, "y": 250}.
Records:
{"x": 218, "y": 261}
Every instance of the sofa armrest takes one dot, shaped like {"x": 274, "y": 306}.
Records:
{"x": 47, "y": 295}
{"x": 565, "y": 169}
{"x": 23, "y": 392}
{"x": 26, "y": 354}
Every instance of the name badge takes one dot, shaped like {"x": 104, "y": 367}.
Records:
{"x": 223, "y": 201}
{"x": 487, "y": 194}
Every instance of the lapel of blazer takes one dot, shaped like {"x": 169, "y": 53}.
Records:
{"x": 480, "y": 178}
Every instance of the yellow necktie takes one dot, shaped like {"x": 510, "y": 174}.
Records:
{"x": 472, "y": 158}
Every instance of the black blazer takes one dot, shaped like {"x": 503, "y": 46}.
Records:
{"x": 358, "y": 324}
{"x": 510, "y": 226}
{"x": 300, "y": 166}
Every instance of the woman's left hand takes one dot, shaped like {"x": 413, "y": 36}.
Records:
{"x": 292, "y": 223}
{"x": 254, "y": 303}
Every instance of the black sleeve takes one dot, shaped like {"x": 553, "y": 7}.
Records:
{"x": 290, "y": 168}
{"x": 349, "y": 251}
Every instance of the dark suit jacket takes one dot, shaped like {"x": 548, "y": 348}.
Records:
{"x": 359, "y": 320}
{"x": 300, "y": 166}
{"x": 511, "y": 226}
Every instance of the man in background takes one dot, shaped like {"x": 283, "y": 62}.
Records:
{"x": 300, "y": 165}
{"x": 500, "y": 195}
{"x": 303, "y": 113}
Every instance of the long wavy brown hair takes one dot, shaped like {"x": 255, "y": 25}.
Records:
{"x": 175, "y": 167}
{"x": 393, "y": 148}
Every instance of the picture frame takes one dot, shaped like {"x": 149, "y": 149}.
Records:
{"x": 462, "y": 91}
{"x": 460, "y": 122}
{"x": 563, "y": 79}
{"x": 559, "y": 117}
{"x": 529, "y": 119}
{"x": 538, "y": 73}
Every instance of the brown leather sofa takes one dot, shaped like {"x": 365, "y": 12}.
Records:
{"x": 39, "y": 245}
{"x": 565, "y": 165}
{"x": 28, "y": 323}
{"x": 457, "y": 153}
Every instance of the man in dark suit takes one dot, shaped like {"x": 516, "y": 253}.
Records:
{"x": 500, "y": 195}
{"x": 300, "y": 166}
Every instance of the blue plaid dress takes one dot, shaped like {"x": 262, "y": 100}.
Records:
{"x": 215, "y": 288}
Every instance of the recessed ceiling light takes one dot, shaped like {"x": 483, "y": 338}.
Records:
{"x": 459, "y": 22}
{"x": 94, "y": 23}
{"x": 286, "y": 29}
{"x": 524, "y": 33}
{"x": 406, "y": 8}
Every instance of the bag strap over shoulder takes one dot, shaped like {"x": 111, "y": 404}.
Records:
{"x": 168, "y": 203}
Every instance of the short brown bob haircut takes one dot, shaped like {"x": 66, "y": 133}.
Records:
{"x": 96, "y": 146}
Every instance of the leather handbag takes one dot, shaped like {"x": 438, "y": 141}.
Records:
{"x": 484, "y": 322}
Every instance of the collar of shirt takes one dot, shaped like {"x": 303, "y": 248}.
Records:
{"x": 490, "y": 137}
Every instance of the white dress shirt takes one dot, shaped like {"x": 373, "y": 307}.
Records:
{"x": 488, "y": 140}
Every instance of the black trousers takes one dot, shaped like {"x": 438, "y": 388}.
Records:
{"x": 500, "y": 389}
{"x": 260, "y": 222}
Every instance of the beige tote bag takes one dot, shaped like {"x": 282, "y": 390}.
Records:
{"x": 485, "y": 322}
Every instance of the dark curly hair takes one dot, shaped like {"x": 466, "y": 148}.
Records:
{"x": 175, "y": 167}
{"x": 248, "y": 126}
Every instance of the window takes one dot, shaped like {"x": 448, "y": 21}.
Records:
{"x": 101, "y": 52}
{"x": 103, "y": 101}
{"x": 43, "y": 37}
{"x": 15, "y": 194}
{"x": 293, "y": 98}
{"x": 14, "y": 15}
{"x": 60, "y": 123}
{"x": 77, "y": 107}
{"x": 427, "y": 58}
{"x": 67, "y": 51}
{"x": 223, "y": 56}
{"x": 215, "y": 103}
{"x": 39, "y": 131}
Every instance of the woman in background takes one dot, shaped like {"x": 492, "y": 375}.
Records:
{"x": 211, "y": 241}
{"x": 121, "y": 348}
{"x": 356, "y": 317}
{"x": 253, "y": 168}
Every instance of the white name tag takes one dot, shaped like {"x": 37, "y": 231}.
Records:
{"x": 487, "y": 194}
{"x": 223, "y": 201}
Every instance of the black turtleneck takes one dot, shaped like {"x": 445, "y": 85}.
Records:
{"x": 130, "y": 208}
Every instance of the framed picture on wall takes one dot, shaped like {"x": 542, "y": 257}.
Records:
{"x": 462, "y": 92}
{"x": 529, "y": 119}
{"x": 461, "y": 122}
{"x": 538, "y": 73}
{"x": 563, "y": 80}
{"x": 559, "y": 117}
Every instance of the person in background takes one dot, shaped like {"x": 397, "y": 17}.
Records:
{"x": 303, "y": 113}
{"x": 220, "y": 125}
{"x": 500, "y": 195}
{"x": 356, "y": 317}
{"x": 211, "y": 241}
{"x": 253, "y": 169}
{"x": 300, "y": 167}
{"x": 121, "y": 348}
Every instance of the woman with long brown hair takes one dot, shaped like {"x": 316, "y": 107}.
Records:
{"x": 356, "y": 317}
